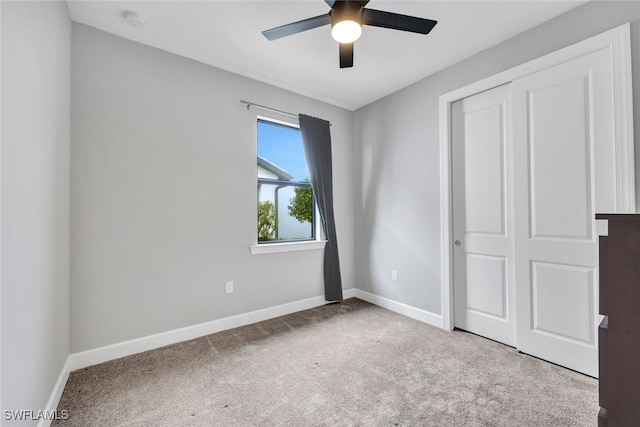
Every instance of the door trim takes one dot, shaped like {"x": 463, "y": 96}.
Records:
{"x": 618, "y": 41}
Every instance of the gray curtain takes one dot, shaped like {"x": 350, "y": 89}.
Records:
{"x": 316, "y": 139}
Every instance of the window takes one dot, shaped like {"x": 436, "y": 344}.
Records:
{"x": 286, "y": 207}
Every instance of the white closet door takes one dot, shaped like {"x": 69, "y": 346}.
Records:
{"x": 482, "y": 211}
{"x": 564, "y": 173}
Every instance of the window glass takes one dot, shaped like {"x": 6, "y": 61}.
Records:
{"x": 286, "y": 210}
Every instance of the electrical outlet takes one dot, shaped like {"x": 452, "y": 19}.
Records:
{"x": 394, "y": 275}
{"x": 229, "y": 287}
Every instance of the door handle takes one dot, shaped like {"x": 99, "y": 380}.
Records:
{"x": 457, "y": 243}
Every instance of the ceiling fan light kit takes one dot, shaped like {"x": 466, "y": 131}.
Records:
{"x": 346, "y": 31}
{"x": 346, "y": 19}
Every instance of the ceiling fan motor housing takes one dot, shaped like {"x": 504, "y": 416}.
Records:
{"x": 346, "y": 11}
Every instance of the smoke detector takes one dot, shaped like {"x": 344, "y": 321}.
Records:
{"x": 133, "y": 19}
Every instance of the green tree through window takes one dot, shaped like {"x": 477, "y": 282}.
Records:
{"x": 301, "y": 204}
{"x": 266, "y": 221}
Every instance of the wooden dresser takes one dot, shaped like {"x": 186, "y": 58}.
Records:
{"x": 619, "y": 332}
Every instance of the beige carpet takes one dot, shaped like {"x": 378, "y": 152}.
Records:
{"x": 348, "y": 364}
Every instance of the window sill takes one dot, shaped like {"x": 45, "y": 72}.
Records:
{"x": 272, "y": 248}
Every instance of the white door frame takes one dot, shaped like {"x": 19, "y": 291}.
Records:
{"x": 618, "y": 41}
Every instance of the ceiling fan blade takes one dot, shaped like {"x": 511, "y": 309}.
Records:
{"x": 395, "y": 21}
{"x": 297, "y": 27}
{"x": 346, "y": 55}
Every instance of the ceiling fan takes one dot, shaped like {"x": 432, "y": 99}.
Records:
{"x": 347, "y": 18}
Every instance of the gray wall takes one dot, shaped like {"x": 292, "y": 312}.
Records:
{"x": 397, "y": 150}
{"x": 36, "y": 47}
{"x": 163, "y": 185}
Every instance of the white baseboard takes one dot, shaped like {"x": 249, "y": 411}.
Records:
{"x": 349, "y": 293}
{"x": 56, "y": 394}
{"x": 139, "y": 345}
{"x": 400, "y": 308}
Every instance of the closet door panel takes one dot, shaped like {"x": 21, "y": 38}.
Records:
{"x": 563, "y": 151}
{"x": 482, "y": 215}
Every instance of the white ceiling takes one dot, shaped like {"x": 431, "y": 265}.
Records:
{"x": 227, "y": 35}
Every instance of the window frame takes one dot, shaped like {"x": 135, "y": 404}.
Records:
{"x": 317, "y": 240}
